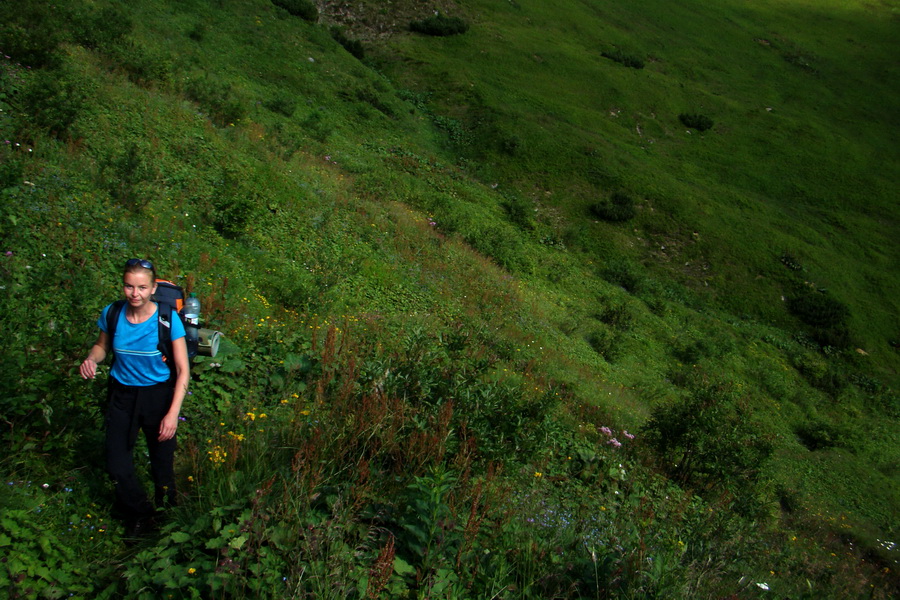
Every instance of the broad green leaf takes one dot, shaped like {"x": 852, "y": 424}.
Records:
{"x": 401, "y": 567}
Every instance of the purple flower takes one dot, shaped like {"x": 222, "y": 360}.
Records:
{"x": 9, "y": 253}
{"x": 614, "y": 443}
{"x": 628, "y": 435}
{"x": 606, "y": 431}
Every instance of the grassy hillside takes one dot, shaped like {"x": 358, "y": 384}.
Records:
{"x": 500, "y": 319}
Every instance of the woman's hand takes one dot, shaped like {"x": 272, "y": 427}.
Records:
{"x": 88, "y": 368}
{"x": 168, "y": 426}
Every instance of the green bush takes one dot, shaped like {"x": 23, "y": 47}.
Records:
{"x": 439, "y": 25}
{"x": 454, "y": 129}
{"x": 133, "y": 176}
{"x": 352, "y": 46}
{"x": 696, "y": 121}
{"x": 10, "y": 172}
{"x": 234, "y": 203}
{"x": 305, "y": 9}
{"x": 624, "y": 274}
{"x": 817, "y": 308}
{"x": 818, "y": 434}
{"x": 216, "y": 99}
{"x": 99, "y": 28}
{"x": 141, "y": 65}
{"x": 617, "y": 315}
{"x": 628, "y": 60}
{"x": 618, "y": 209}
{"x": 709, "y": 440}
{"x": 502, "y": 244}
{"x": 283, "y": 103}
{"x": 604, "y": 341}
{"x": 55, "y": 99}
{"x": 30, "y": 33}
{"x": 519, "y": 211}
{"x": 197, "y": 32}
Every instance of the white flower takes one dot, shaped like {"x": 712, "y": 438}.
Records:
{"x": 763, "y": 586}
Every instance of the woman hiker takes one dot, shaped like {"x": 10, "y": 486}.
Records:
{"x": 144, "y": 393}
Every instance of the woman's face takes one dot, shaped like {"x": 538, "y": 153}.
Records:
{"x": 138, "y": 287}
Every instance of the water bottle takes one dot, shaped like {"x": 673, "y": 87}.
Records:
{"x": 191, "y": 313}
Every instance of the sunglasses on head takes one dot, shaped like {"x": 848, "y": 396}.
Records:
{"x": 139, "y": 261}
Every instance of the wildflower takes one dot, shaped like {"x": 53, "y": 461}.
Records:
{"x": 763, "y": 586}
{"x": 630, "y": 436}
{"x": 191, "y": 478}
{"x": 606, "y": 431}
{"x": 251, "y": 416}
{"x": 614, "y": 443}
{"x": 538, "y": 474}
{"x": 217, "y": 455}
{"x": 263, "y": 415}
{"x": 191, "y": 571}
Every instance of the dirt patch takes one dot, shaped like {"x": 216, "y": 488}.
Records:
{"x": 374, "y": 19}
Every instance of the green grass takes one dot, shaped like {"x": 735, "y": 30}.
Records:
{"x": 402, "y": 255}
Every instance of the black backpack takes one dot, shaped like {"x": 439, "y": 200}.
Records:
{"x": 170, "y": 298}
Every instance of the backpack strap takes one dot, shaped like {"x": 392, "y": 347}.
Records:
{"x": 112, "y": 319}
{"x": 164, "y": 345}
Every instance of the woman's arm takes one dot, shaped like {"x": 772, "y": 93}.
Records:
{"x": 169, "y": 424}
{"x": 96, "y": 356}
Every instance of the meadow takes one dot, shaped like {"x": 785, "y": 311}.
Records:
{"x": 520, "y": 299}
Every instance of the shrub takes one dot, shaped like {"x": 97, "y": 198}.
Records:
{"x": 439, "y": 25}
{"x": 216, "y": 99}
{"x": 709, "y": 440}
{"x": 604, "y": 341}
{"x": 197, "y": 32}
{"x": 818, "y": 434}
{"x": 133, "y": 176}
{"x": 510, "y": 145}
{"x": 622, "y": 273}
{"x": 455, "y": 130}
{"x": 235, "y": 202}
{"x": 305, "y": 9}
{"x": 628, "y": 60}
{"x": 55, "y": 99}
{"x": 29, "y": 33}
{"x": 100, "y": 28}
{"x": 520, "y": 211}
{"x": 141, "y": 65}
{"x": 696, "y": 121}
{"x": 817, "y": 308}
{"x": 10, "y": 173}
{"x": 352, "y": 46}
{"x": 503, "y": 245}
{"x": 618, "y": 209}
{"x": 283, "y": 103}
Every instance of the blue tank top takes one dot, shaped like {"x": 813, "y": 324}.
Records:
{"x": 138, "y": 359}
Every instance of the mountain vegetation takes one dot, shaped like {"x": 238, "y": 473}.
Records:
{"x": 520, "y": 299}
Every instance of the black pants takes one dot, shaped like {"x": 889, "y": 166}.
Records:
{"x": 131, "y": 409}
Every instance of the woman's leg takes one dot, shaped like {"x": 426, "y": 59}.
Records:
{"x": 121, "y": 433}
{"x": 162, "y": 454}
